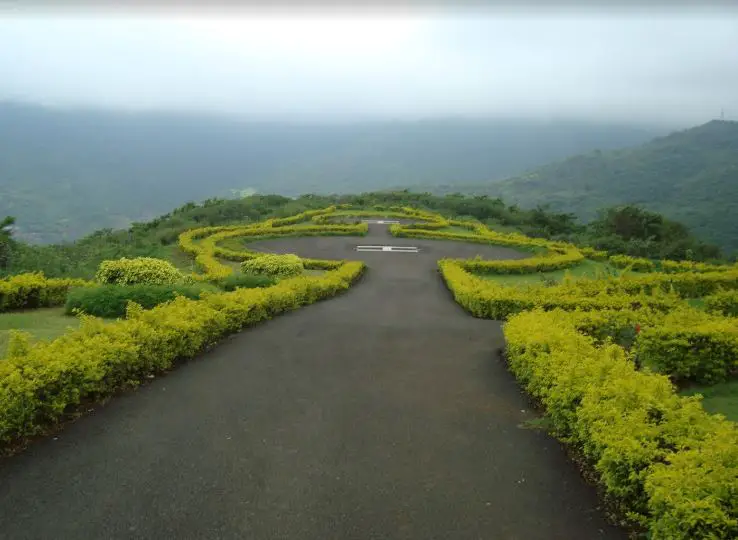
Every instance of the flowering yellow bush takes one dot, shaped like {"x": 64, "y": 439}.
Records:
{"x": 141, "y": 270}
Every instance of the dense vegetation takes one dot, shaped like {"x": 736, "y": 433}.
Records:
{"x": 689, "y": 176}
{"x": 605, "y": 356}
{"x": 626, "y": 230}
{"x": 66, "y": 173}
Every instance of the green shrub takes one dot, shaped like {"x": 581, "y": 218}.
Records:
{"x": 110, "y": 301}
{"x": 723, "y": 303}
{"x": 138, "y": 271}
{"x": 38, "y": 385}
{"x": 33, "y": 290}
{"x": 634, "y": 263}
{"x": 690, "y": 345}
{"x": 661, "y": 456}
{"x": 594, "y": 254}
{"x": 246, "y": 281}
{"x": 274, "y": 265}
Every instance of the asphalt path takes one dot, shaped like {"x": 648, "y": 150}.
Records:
{"x": 384, "y": 413}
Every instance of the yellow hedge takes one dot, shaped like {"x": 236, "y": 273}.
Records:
{"x": 274, "y": 265}
{"x": 37, "y": 385}
{"x": 490, "y": 300}
{"x": 207, "y": 251}
{"x": 690, "y": 345}
{"x": 633, "y": 263}
{"x": 661, "y": 456}
{"x": 594, "y": 254}
{"x": 675, "y": 267}
{"x": 686, "y": 285}
{"x": 139, "y": 270}
{"x": 722, "y": 303}
{"x": 34, "y": 290}
{"x": 556, "y": 260}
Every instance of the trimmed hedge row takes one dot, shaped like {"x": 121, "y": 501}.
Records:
{"x": 661, "y": 456}
{"x": 41, "y": 382}
{"x": 685, "y": 285}
{"x": 34, "y": 290}
{"x": 690, "y": 345}
{"x": 594, "y": 254}
{"x": 490, "y": 300}
{"x": 675, "y": 267}
{"x": 207, "y": 251}
{"x": 637, "y": 264}
{"x": 557, "y": 260}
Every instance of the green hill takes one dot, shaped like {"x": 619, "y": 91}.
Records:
{"x": 689, "y": 176}
{"x": 65, "y": 173}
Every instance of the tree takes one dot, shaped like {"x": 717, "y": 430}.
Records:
{"x": 6, "y": 233}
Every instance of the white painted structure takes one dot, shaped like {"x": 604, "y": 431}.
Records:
{"x": 390, "y": 249}
{"x": 381, "y": 221}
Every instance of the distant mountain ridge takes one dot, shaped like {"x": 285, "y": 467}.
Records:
{"x": 64, "y": 174}
{"x": 690, "y": 176}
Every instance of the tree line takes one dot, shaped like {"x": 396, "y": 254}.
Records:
{"x": 626, "y": 229}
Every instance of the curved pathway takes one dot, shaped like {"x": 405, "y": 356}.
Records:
{"x": 381, "y": 414}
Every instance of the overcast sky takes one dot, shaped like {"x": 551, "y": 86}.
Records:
{"x": 679, "y": 68}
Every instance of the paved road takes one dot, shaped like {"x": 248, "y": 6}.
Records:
{"x": 381, "y": 414}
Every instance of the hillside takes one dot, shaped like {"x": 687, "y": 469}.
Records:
{"x": 64, "y": 174}
{"x": 690, "y": 176}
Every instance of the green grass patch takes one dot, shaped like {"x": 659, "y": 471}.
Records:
{"x": 719, "y": 398}
{"x": 587, "y": 268}
{"x": 181, "y": 260}
{"x": 43, "y": 324}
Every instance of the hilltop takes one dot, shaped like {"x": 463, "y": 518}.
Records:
{"x": 689, "y": 176}
{"x": 66, "y": 173}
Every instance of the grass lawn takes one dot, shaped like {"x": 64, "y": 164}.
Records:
{"x": 587, "y": 268}
{"x": 180, "y": 259}
{"x": 719, "y": 398}
{"x": 42, "y": 324}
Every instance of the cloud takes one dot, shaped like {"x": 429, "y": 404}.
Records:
{"x": 677, "y": 69}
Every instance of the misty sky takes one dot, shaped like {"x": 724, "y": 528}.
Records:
{"x": 650, "y": 66}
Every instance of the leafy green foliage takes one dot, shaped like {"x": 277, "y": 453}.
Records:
{"x": 110, "y": 301}
{"x": 141, "y": 270}
{"x": 660, "y": 455}
{"x": 723, "y": 303}
{"x": 688, "y": 176}
{"x": 5, "y": 240}
{"x": 274, "y": 265}
{"x": 37, "y": 386}
{"x": 26, "y": 291}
